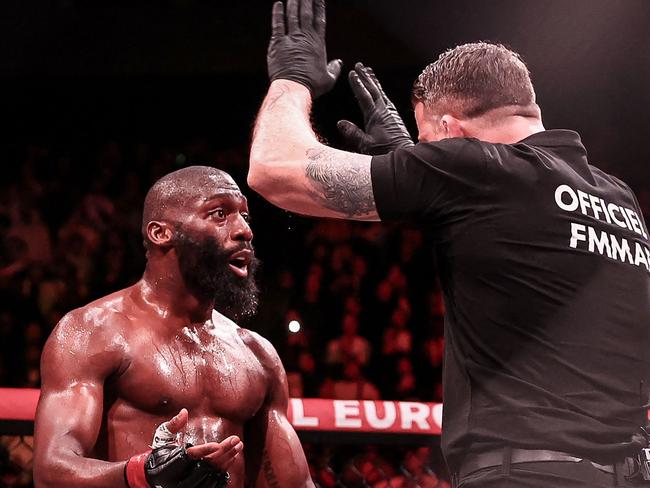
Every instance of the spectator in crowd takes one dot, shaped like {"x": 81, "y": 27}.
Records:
{"x": 299, "y": 362}
{"x": 415, "y": 472}
{"x": 368, "y": 468}
{"x": 351, "y": 386}
{"x": 28, "y": 226}
{"x": 397, "y": 336}
{"x": 350, "y": 346}
{"x": 406, "y": 385}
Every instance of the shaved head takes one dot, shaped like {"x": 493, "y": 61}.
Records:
{"x": 172, "y": 193}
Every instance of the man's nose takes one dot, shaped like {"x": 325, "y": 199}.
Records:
{"x": 241, "y": 231}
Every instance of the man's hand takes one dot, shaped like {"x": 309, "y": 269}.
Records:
{"x": 171, "y": 464}
{"x": 385, "y": 130}
{"x": 297, "y": 48}
{"x": 221, "y": 455}
{"x": 171, "y": 432}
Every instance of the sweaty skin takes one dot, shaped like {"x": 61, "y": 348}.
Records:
{"x": 117, "y": 368}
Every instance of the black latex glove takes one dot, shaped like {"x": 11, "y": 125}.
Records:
{"x": 297, "y": 47}
{"x": 385, "y": 129}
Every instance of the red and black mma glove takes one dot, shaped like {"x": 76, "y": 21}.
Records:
{"x": 170, "y": 466}
{"x": 297, "y": 50}
{"x": 384, "y": 128}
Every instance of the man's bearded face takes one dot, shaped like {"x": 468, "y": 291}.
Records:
{"x": 205, "y": 267}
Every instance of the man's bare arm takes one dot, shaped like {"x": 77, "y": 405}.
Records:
{"x": 274, "y": 455}
{"x": 288, "y": 164}
{"x": 70, "y": 409}
{"x": 293, "y": 170}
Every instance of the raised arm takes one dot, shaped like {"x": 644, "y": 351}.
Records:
{"x": 274, "y": 455}
{"x": 293, "y": 170}
{"x": 288, "y": 165}
{"x": 74, "y": 365}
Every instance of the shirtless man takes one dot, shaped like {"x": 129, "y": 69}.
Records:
{"x": 120, "y": 367}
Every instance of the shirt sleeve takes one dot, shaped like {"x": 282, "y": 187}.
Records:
{"x": 430, "y": 180}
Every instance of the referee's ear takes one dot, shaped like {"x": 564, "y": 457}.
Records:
{"x": 450, "y": 126}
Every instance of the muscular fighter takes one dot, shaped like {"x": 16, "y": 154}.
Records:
{"x": 544, "y": 259}
{"x": 117, "y": 369}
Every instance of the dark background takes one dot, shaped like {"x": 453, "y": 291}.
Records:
{"x": 79, "y": 72}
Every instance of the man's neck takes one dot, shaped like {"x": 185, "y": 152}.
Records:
{"x": 506, "y": 125}
{"x": 166, "y": 293}
{"x": 514, "y": 129}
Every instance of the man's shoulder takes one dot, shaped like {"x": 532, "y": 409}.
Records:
{"x": 454, "y": 147}
{"x": 104, "y": 311}
{"x": 610, "y": 179}
{"x": 255, "y": 342}
{"x": 261, "y": 347}
{"x": 103, "y": 317}
{"x": 223, "y": 323}
{"x": 89, "y": 340}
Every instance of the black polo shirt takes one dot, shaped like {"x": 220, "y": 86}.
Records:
{"x": 544, "y": 262}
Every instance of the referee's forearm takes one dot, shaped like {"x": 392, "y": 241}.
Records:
{"x": 281, "y": 138}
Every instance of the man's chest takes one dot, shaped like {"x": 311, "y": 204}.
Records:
{"x": 218, "y": 376}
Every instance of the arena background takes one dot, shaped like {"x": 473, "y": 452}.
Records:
{"x": 101, "y": 98}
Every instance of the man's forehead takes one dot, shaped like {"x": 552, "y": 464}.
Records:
{"x": 220, "y": 180}
{"x": 221, "y": 193}
{"x": 220, "y": 186}
{"x": 214, "y": 183}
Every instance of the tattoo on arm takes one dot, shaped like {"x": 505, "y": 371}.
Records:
{"x": 269, "y": 474}
{"x": 268, "y": 104}
{"x": 342, "y": 187}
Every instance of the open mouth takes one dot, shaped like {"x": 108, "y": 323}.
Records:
{"x": 239, "y": 263}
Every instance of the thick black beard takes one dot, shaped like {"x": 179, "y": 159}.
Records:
{"x": 204, "y": 267}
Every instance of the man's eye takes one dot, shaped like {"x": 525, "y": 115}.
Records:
{"x": 246, "y": 216}
{"x": 218, "y": 213}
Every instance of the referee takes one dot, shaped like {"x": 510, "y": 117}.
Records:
{"x": 544, "y": 258}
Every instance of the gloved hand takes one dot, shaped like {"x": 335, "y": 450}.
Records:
{"x": 385, "y": 129}
{"x": 297, "y": 48}
{"x": 204, "y": 475}
{"x": 170, "y": 465}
